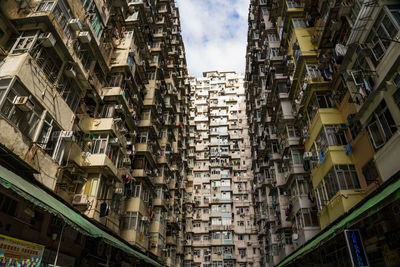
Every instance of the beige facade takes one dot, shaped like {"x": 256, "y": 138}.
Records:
{"x": 94, "y": 96}
{"x": 220, "y": 228}
{"x": 322, "y": 88}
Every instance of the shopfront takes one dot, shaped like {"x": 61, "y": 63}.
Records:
{"x": 16, "y": 252}
{"x": 368, "y": 235}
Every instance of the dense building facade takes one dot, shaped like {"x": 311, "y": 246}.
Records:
{"x": 220, "y": 228}
{"x": 322, "y": 88}
{"x": 94, "y": 98}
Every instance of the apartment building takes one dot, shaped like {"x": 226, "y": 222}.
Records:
{"x": 94, "y": 119}
{"x": 220, "y": 228}
{"x": 322, "y": 88}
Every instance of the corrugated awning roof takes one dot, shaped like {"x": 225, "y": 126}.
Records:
{"x": 45, "y": 200}
{"x": 370, "y": 205}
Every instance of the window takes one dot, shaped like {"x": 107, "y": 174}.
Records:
{"x": 227, "y": 235}
{"x": 323, "y": 99}
{"x": 335, "y": 135}
{"x": 321, "y": 196}
{"x": 381, "y": 126}
{"x": 45, "y": 6}
{"x": 341, "y": 177}
{"x": 69, "y": 90}
{"x": 274, "y": 53}
{"x": 298, "y": 23}
{"x": 100, "y": 144}
{"x": 385, "y": 29}
{"x": 396, "y": 95}
{"x": 8, "y": 205}
{"x": 272, "y": 37}
{"x": 355, "y": 127}
{"x": 308, "y": 217}
{"x": 370, "y": 172}
{"x": 24, "y": 42}
{"x": 62, "y": 14}
{"x": 37, "y": 221}
{"x": 25, "y": 117}
{"x": 216, "y": 235}
{"x": 320, "y": 99}
{"x": 129, "y": 220}
{"x": 291, "y": 131}
{"x": 297, "y": 157}
{"x": 292, "y": 4}
{"x": 94, "y": 17}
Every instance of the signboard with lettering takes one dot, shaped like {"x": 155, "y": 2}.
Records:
{"x": 16, "y": 252}
{"x": 356, "y": 248}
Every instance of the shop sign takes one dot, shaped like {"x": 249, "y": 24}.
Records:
{"x": 356, "y": 248}
{"x": 16, "y": 252}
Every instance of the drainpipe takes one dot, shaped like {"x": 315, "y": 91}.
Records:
{"x": 39, "y": 127}
{"x": 59, "y": 244}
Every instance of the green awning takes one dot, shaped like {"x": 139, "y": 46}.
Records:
{"x": 41, "y": 198}
{"x": 372, "y": 205}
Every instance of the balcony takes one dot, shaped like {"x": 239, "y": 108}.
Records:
{"x": 99, "y": 161}
{"x": 160, "y": 202}
{"x": 300, "y": 202}
{"x": 334, "y": 155}
{"x": 324, "y": 116}
{"x": 149, "y": 149}
{"x": 171, "y": 240}
{"x": 280, "y": 179}
{"x": 89, "y": 124}
{"x": 111, "y": 221}
{"x": 161, "y": 180}
{"x": 342, "y": 202}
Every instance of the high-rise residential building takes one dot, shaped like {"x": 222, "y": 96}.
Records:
{"x": 220, "y": 229}
{"x": 322, "y": 89}
{"x": 94, "y": 105}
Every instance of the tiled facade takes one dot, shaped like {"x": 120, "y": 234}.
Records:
{"x": 322, "y": 88}
{"x": 220, "y": 228}
{"x": 94, "y": 95}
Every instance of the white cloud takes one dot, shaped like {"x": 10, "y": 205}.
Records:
{"x": 215, "y": 34}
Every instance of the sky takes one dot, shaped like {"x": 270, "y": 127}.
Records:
{"x": 215, "y": 34}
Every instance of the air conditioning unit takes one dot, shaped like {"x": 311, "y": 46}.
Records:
{"x": 47, "y": 39}
{"x": 249, "y": 243}
{"x": 126, "y": 160}
{"x": 132, "y": 52}
{"x": 84, "y": 37}
{"x": 67, "y": 135}
{"x": 70, "y": 72}
{"x": 114, "y": 140}
{"x": 80, "y": 199}
{"x": 119, "y": 191}
{"x": 345, "y": 9}
{"x": 75, "y": 24}
{"x": 23, "y": 103}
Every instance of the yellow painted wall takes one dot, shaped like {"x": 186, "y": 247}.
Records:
{"x": 338, "y": 205}
{"x": 323, "y": 116}
{"x": 335, "y": 155}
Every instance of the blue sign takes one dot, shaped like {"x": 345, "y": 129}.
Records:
{"x": 356, "y": 248}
